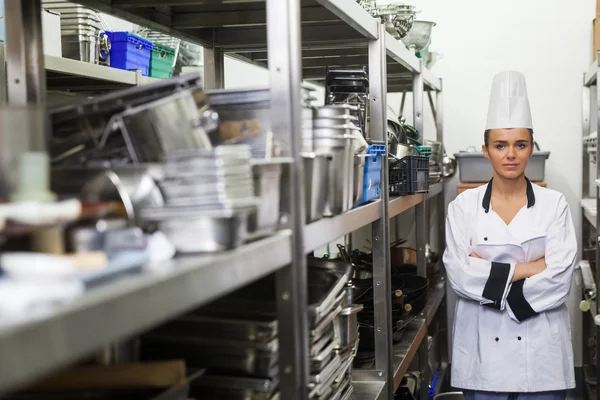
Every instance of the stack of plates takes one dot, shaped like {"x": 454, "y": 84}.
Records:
{"x": 209, "y": 195}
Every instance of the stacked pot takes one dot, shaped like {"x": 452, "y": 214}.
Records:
{"x": 335, "y": 136}
{"x": 80, "y": 30}
{"x": 209, "y": 196}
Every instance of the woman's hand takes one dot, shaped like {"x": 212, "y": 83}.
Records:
{"x": 527, "y": 270}
{"x": 475, "y": 255}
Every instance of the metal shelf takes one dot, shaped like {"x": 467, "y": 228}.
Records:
{"x": 435, "y": 189}
{"x": 129, "y": 306}
{"x": 589, "y": 210}
{"x": 76, "y": 76}
{"x": 367, "y": 390}
{"x": 337, "y": 33}
{"x": 438, "y": 292}
{"x": 398, "y": 205}
{"x": 405, "y": 351}
{"x": 326, "y": 230}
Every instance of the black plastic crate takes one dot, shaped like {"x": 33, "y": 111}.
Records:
{"x": 409, "y": 175}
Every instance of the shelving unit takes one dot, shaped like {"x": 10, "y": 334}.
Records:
{"x": 590, "y": 218}
{"x": 296, "y": 40}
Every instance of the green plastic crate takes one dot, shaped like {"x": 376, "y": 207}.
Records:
{"x": 424, "y": 150}
{"x": 161, "y": 62}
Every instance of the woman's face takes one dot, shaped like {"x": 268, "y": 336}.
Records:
{"x": 509, "y": 150}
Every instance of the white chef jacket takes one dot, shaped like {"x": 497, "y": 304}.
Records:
{"x": 511, "y": 337}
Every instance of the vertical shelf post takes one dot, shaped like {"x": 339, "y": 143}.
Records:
{"x": 214, "y": 68}
{"x": 585, "y": 193}
{"x": 285, "y": 71}
{"x": 596, "y": 191}
{"x": 380, "y": 229}
{"x": 421, "y": 225}
{"x": 441, "y": 239}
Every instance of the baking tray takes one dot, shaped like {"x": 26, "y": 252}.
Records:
{"x": 179, "y": 392}
{"x": 218, "y": 356}
{"x": 216, "y": 387}
{"x": 233, "y": 327}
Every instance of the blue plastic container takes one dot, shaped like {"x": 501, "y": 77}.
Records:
{"x": 373, "y": 164}
{"x": 130, "y": 52}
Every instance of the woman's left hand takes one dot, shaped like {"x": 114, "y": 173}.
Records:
{"x": 475, "y": 255}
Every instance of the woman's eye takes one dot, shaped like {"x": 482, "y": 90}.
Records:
{"x": 522, "y": 145}
{"x": 500, "y": 146}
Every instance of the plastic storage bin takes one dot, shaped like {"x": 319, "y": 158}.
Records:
{"x": 130, "y": 52}
{"x": 373, "y": 164}
{"x": 161, "y": 62}
{"x": 409, "y": 175}
{"x": 474, "y": 167}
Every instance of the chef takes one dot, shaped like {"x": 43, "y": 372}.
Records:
{"x": 510, "y": 253}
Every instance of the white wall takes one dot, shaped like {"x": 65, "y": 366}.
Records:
{"x": 550, "y": 42}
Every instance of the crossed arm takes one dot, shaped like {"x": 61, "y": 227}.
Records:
{"x": 523, "y": 270}
{"x": 527, "y": 289}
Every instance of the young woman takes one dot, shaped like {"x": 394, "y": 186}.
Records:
{"x": 509, "y": 257}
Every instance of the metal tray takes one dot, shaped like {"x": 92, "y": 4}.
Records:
{"x": 318, "y": 363}
{"x": 327, "y": 374}
{"x": 218, "y": 387}
{"x": 230, "y": 356}
{"x": 78, "y": 128}
{"x": 234, "y": 327}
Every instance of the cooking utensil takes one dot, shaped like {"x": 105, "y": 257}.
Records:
{"x": 419, "y": 37}
{"x": 316, "y": 184}
{"x": 267, "y": 184}
{"x": 347, "y": 325}
{"x": 235, "y": 326}
{"x": 359, "y": 178}
{"x": 205, "y": 234}
{"x": 242, "y": 358}
{"x": 340, "y": 267}
{"x": 400, "y": 255}
{"x": 135, "y": 187}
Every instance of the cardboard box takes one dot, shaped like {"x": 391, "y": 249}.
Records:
{"x": 595, "y": 38}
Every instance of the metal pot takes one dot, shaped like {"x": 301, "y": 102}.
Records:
{"x": 346, "y": 326}
{"x": 316, "y": 184}
{"x": 359, "y": 177}
{"x": 326, "y": 122}
{"x": 336, "y": 110}
{"x": 402, "y": 256}
{"x": 267, "y": 183}
{"x": 134, "y": 186}
{"x": 449, "y": 165}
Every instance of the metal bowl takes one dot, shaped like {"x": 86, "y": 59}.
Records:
{"x": 419, "y": 36}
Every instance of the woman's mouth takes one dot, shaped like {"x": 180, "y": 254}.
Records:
{"x": 510, "y": 166}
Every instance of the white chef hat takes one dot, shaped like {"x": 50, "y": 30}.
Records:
{"x": 509, "y": 105}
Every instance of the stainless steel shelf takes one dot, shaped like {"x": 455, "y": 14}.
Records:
{"x": 589, "y": 210}
{"x": 435, "y": 189}
{"x": 400, "y": 204}
{"x": 405, "y": 351}
{"x": 75, "y": 76}
{"x": 438, "y": 292}
{"x": 326, "y": 230}
{"x": 129, "y": 306}
{"x": 367, "y": 390}
{"x": 589, "y": 78}
{"x": 335, "y": 33}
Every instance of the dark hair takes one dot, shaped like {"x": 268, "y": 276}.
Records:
{"x": 486, "y": 136}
